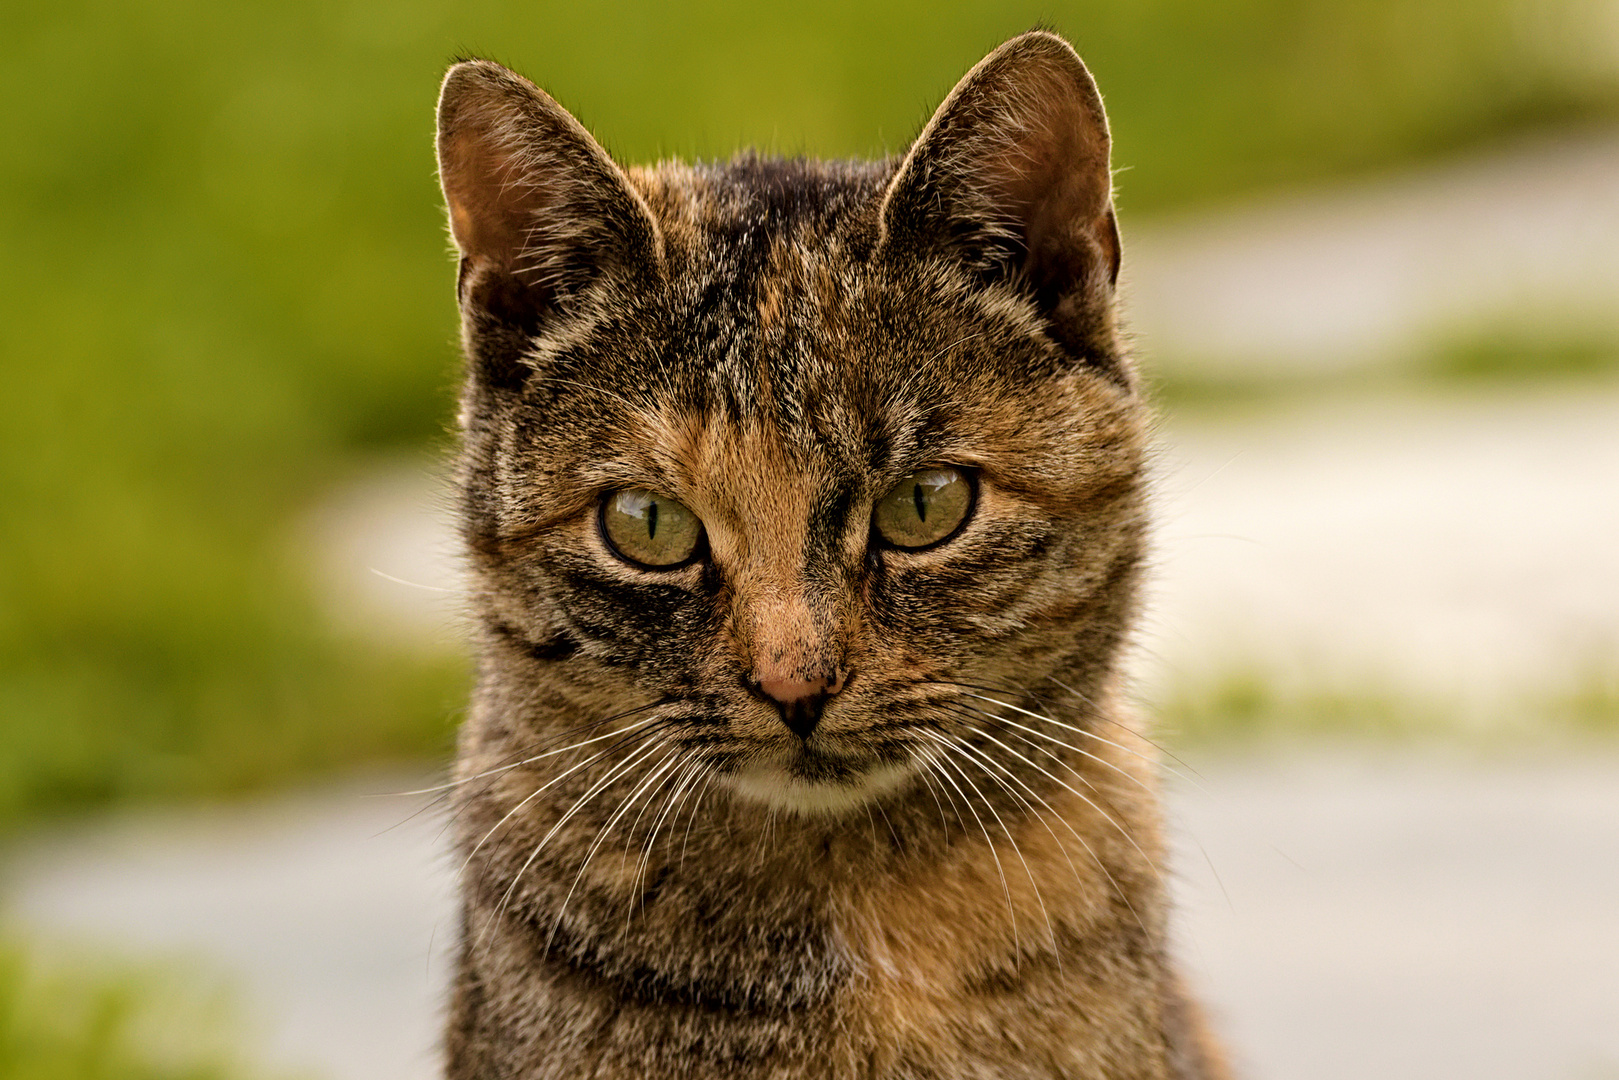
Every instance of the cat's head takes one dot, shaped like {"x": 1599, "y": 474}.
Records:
{"x": 811, "y": 460}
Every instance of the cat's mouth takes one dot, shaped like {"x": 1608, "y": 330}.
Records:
{"x": 818, "y": 781}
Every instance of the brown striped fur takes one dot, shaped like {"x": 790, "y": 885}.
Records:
{"x": 959, "y": 872}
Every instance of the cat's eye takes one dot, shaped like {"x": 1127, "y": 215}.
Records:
{"x": 649, "y": 529}
{"x": 925, "y": 508}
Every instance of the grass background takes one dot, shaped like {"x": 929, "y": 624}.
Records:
{"x": 72, "y": 1017}
{"x": 224, "y": 287}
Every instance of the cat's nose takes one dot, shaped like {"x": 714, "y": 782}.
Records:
{"x": 801, "y": 700}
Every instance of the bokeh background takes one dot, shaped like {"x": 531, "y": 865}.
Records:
{"x": 227, "y": 337}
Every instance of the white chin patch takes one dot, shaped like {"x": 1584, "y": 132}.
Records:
{"x": 777, "y": 787}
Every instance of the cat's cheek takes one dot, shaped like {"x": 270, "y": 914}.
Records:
{"x": 950, "y": 604}
{"x": 650, "y": 620}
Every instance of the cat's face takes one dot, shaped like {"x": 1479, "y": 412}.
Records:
{"x": 806, "y": 455}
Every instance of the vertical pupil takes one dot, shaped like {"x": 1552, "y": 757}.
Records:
{"x": 921, "y": 502}
{"x": 652, "y": 520}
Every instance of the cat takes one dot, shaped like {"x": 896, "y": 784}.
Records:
{"x": 804, "y": 504}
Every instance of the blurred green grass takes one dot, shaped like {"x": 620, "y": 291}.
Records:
{"x": 63, "y": 1018}
{"x": 1254, "y": 705}
{"x": 1517, "y": 351}
{"x": 224, "y": 279}
{"x": 1246, "y": 707}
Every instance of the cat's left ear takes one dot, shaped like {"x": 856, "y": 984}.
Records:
{"x": 539, "y": 211}
{"x": 1011, "y": 178}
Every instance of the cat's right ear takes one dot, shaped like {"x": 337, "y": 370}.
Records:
{"x": 539, "y": 212}
{"x": 1011, "y": 180}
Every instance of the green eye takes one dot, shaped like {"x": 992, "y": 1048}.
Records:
{"x": 924, "y": 508}
{"x": 649, "y": 530}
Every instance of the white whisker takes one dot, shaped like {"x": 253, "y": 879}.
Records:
{"x": 1089, "y": 735}
{"x": 933, "y": 765}
{"x": 695, "y": 806}
{"x": 932, "y": 790}
{"x": 1016, "y": 849}
{"x": 612, "y": 774}
{"x": 1065, "y": 745}
{"x": 1102, "y": 716}
{"x": 411, "y": 584}
{"x": 531, "y": 797}
{"x": 1086, "y": 800}
{"x": 1011, "y": 912}
{"x": 1097, "y": 859}
{"x": 538, "y": 757}
{"x": 623, "y": 807}
{"x": 683, "y": 776}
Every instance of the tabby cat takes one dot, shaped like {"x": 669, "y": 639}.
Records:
{"x": 804, "y": 504}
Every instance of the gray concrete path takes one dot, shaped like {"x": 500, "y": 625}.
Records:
{"x": 330, "y": 911}
{"x": 1459, "y": 550}
{"x": 1347, "y": 916}
{"x": 1372, "y": 272}
{"x": 1388, "y": 916}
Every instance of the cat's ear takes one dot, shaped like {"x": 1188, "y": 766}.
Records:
{"x": 1011, "y": 178}
{"x": 538, "y": 210}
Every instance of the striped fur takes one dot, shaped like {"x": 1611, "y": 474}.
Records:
{"x": 958, "y": 874}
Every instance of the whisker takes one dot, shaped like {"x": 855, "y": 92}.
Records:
{"x": 1069, "y": 768}
{"x": 975, "y": 716}
{"x": 1060, "y": 723}
{"x": 613, "y": 773}
{"x": 699, "y": 769}
{"x": 695, "y": 806}
{"x": 658, "y": 770}
{"x": 1097, "y": 859}
{"x": 932, "y": 790}
{"x": 898, "y": 846}
{"x": 1217, "y": 879}
{"x": 537, "y": 757}
{"x": 1011, "y": 912}
{"x": 536, "y": 793}
{"x": 415, "y": 584}
{"x": 447, "y": 790}
{"x": 932, "y": 765}
{"x": 1030, "y": 808}
{"x": 1016, "y": 849}
{"x": 766, "y": 836}
{"x": 1079, "y": 731}
{"x": 1065, "y": 765}
{"x": 629, "y": 836}
{"x": 1050, "y": 738}
{"x": 1085, "y": 799}
{"x": 683, "y": 776}
{"x": 1100, "y": 715}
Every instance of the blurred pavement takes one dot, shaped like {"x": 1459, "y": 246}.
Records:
{"x": 1397, "y": 915}
{"x": 1457, "y": 551}
{"x": 1371, "y": 273}
{"x": 329, "y": 910}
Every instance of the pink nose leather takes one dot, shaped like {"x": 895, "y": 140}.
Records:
{"x": 800, "y": 700}
{"x": 789, "y": 691}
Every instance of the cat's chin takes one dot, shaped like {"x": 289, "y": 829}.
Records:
{"x": 817, "y": 786}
